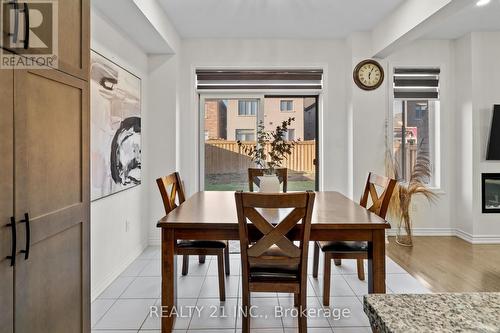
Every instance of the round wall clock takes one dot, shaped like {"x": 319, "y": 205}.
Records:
{"x": 368, "y": 75}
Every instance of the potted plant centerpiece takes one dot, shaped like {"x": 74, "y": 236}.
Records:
{"x": 270, "y": 151}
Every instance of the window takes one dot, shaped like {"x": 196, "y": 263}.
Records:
{"x": 224, "y": 162}
{"x": 286, "y": 106}
{"x": 412, "y": 134}
{"x": 247, "y": 108}
{"x": 290, "y": 134}
{"x": 415, "y": 120}
{"x": 416, "y": 110}
{"x": 245, "y": 135}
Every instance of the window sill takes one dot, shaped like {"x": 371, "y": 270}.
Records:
{"x": 438, "y": 190}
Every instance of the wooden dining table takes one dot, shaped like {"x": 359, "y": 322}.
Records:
{"x": 212, "y": 216}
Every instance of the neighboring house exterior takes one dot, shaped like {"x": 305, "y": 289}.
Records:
{"x": 234, "y": 119}
{"x": 215, "y": 120}
{"x": 310, "y": 110}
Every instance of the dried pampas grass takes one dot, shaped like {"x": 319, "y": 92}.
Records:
{"x": 403, "y": 193}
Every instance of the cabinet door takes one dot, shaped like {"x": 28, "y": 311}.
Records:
{"x": 74, "y": 37}
{"x": 51, "y": 117}
{"x": 6, "y": 200}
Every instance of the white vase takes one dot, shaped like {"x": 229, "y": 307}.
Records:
{"x": 269, "y": 184}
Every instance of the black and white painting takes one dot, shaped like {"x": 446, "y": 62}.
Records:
{"x": 115, "y": 128}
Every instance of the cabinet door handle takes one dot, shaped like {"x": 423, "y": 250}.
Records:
{"x": 26, "y": 220}
{"x": 26, "y": 26}
{"x": 12, "y": 226}
{"x": 14, "y": 34}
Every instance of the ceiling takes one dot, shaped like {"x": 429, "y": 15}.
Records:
{"x": 472, "y": 18}
{"x": 133, "y": 23}
{"x": 275, "y": 18}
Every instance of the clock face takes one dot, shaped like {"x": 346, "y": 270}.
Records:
{"x": 368, "y": 75}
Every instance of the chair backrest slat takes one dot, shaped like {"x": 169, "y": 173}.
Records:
{"x": 174, "y": 182}
{"x": 380, "y": 203}
{"x": 253, "y": 173}
{"x": 253, "y": 207}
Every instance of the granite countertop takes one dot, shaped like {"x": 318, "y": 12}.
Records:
{"x": 454, "y": 312}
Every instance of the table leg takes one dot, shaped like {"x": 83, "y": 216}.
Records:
{"x": 376, "y": 263}
{"x": 168, "y": 280}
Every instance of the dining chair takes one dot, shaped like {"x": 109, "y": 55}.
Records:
{"x": 337, "y": 250}
{"x": 254, "y": 173}
{"x": 270, "y": 261}
{"x": 172, "y": 193}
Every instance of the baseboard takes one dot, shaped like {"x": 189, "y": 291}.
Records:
{"x": 426, "y": 232}
{"x": 100, "y": 286}
{"x": 473, "y": 239}
{"x": 154, "y": 241}
{"x": 478, "y": 239}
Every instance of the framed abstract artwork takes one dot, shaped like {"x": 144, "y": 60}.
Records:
{"x": 115, "y": 99}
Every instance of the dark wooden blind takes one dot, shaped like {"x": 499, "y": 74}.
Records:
{"x": 415, "y": 83}
{"x": 259, "y": 79}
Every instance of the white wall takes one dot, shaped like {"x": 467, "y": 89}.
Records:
{"x": 352, "y": 136}
{"x": 330, "y": 55}
{"x": 113, "y": 248}
{"x": 434, "y": 218}
{"x": 485, "y": 93}
{"x": 463, "y": 137}
{"x": 161, "y": 139}
{"x": 477, "y": 90}
{"x": 353, "y": 121}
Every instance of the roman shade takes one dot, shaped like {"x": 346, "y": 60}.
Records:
{"x": 207, "y": 79}
{"x": 416, "y": 83}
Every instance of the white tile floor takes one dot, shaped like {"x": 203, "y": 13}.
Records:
{"x": 124, "y": 306}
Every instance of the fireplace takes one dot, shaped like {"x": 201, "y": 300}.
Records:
{"x": 491, "y": 192}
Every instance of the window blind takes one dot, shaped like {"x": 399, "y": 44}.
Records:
{"x": 415, "y": 83}
{"x": 259, "y": 79}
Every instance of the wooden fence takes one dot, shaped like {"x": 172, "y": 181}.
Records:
{"x": 410, "y": 157}
{"x": 223, "y": 156}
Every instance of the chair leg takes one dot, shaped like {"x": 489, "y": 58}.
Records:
{"x": 338, "y": 262}
{"x": 326, "y": 279}
{"x": 302, "y": 306}
{"x": 361, "y": 269}
{"x": 222, "y": 281}
{"x": 185, "y": 264}
{"x": 202, "y": 258}
{"x": 245, "y": 302}
{"x": 226, "y": 259}
{"x": 316, "y": 260}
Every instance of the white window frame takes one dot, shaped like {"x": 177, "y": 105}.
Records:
{"x": 201, "y": 110}
{"x": 434, "y": 125}
{"x": 286, "y": 101}
{"x": 246, "y": 105}
{"x": 254, "y": 133}
{"x": 261, "y": 95}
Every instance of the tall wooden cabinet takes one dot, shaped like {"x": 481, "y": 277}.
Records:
{"x": 6, "y": 199}
{"x": 44, "y": 187}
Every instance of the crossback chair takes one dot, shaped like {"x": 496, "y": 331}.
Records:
{"x": 254, "y": 173}
{"x": 338, "y": 250}
{"x": 271, "y": 261}
{"x": 172, "y": 193}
